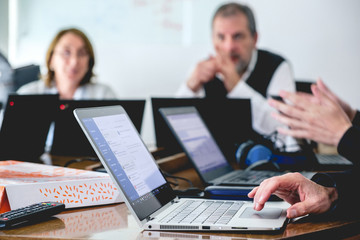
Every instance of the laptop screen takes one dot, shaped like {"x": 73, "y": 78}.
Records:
{"x": 197, "y": 141}
{"x": 229, "y": 121}
{"x": 69, "y": 140}
{"x": 129, "y": 162}
{"x": 25, "y": 125}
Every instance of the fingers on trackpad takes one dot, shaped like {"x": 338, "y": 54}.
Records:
{"x": 266, "y": 213}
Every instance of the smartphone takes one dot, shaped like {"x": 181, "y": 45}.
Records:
{"x": 277, "y": 98}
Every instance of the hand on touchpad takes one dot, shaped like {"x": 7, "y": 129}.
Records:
{"x": 267, "y": 213}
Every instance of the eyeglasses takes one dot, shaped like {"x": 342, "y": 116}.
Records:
{"x": 67, "y": 54}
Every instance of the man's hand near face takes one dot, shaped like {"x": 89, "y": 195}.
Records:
{"x": 203, "y": 73}
{"x": 228, "y": 69}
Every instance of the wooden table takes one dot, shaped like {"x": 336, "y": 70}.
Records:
{"x": 115, "y": 222}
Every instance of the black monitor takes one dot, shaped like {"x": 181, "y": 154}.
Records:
{"x": 229, "y": 120}
{"x": 25, "y": 126}
{"x": 69, "y": 139}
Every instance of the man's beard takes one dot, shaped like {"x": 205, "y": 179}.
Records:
{"x": 241, "y": 65}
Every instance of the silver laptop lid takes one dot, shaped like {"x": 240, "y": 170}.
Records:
{"x": 126, "y": 158}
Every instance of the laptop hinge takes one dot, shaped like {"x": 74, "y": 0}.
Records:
{"x": 153, "y": 215}
{"x": 149, "y": 218}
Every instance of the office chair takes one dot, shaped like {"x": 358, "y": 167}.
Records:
{"x": 6, "y": 79}
{"x": 26, "y": 74}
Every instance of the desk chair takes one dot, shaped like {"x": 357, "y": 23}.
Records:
{"x": 6, "y": 78}
{"x": 26, "y": 74}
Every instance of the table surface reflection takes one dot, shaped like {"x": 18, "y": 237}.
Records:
{"x": 115, "y": 222}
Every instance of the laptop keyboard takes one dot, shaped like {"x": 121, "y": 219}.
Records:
{"x": 332, "y": 159}
{"x": 203, "y": 212}
{"x": 251, "y": 177}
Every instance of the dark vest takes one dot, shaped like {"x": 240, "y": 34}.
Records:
{"x": 259, "y": 79}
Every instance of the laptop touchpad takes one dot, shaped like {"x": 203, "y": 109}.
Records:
{"x": 268, "y": 213}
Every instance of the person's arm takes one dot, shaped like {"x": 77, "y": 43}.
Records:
{"x": 347, "y": 204}
{"x": 304, "y": 195}
{"x": 261, "y": 111}
{"x": 186, "y": 92}
{"x": 356, "y": 120}
{"x": 203, "y": 72}
{"x": 317, "y": 117}
{"x": 349, "y": 146}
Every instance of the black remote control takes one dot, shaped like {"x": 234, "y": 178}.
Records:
{"x": 32, "y": 213}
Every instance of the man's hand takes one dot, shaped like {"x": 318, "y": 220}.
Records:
{"x": 305, "y": 196}
{"x": 316, "y": 117}
{"x": 350, "y": 112}
{"x": 203, "y": 73}
{"x": 228, "y": 69}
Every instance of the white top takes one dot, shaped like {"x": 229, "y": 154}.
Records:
{"x": 87, "y": 91}
{"x": 262, "y": 121}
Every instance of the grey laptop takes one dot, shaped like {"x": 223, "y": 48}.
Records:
{"x": 149, "y": 196}
{"x": 203, "y": 151}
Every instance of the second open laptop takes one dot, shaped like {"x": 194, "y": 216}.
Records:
{"x": 149, "y": 196}
{"x": 203, "y": 151}
{"x": 25, "y": 125}
{"x": 69, "y": 140}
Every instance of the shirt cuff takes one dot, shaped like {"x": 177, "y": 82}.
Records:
{"x": 356, "y": 120}
{"x": 348, "y": 144}
{"x": 326, "y": 180}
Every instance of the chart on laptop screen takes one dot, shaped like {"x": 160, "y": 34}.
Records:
{"x": 125, "y": 154}
{"x": 197, "y": 141}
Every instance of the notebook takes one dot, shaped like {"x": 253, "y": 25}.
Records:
{"x": 25, "y": 126}
{"x": 229, "y": 120}
{"x": 204, "y": 152}
{"x": 149, "y": 196}
{"x": 68, "y": 138}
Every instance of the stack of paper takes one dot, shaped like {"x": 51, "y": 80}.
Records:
{"x": 23, "y": 183}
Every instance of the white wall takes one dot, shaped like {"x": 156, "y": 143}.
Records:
{"x": 4, "y": 5}
{"x": 146, "y": 48}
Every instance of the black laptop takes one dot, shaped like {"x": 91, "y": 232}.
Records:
{"x": 69, "y": 139}
{"x": 229, "y": 120}
{"x": 203, "y": 150}
{"x": 25, "y": 126}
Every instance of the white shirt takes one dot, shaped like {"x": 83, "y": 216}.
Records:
{"x": 262, "y": 121}
{"x": 87, "y": 91}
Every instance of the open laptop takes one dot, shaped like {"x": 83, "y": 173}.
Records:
{"x": 229, "y": 120}
{"x": 149, "y": 196}
{"x": 25, "y": 125}
{"x": 68, "y": 138}
{"x": 204, "y": 152}
{"x": 331, "y": 162}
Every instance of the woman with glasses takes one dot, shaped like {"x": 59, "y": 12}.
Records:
{"x": 69, "y": 60}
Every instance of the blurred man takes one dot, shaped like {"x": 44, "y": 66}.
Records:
{"x": 239, "y": 69}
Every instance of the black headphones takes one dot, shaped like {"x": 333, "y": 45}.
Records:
{"x": 255, "y": 156}
{"x": 262, "y": 154}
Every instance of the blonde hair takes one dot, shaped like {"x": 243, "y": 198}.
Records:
{"x": 49, "y": 76}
